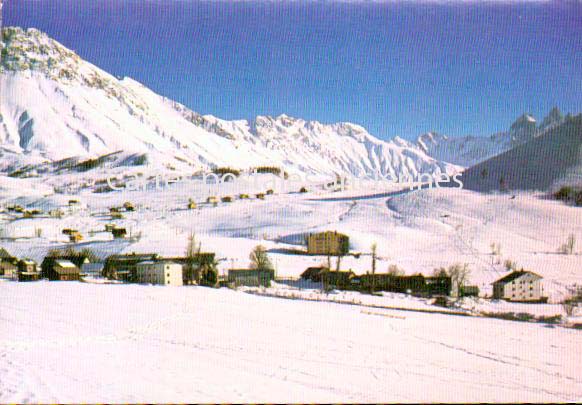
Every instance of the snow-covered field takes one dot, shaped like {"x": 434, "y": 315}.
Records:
{"x": 75, "y": 342}
{"x": 418, "y": 231}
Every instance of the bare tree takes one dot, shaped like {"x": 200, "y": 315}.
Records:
{"x": 572, "y": 300}
{"x": 568, "y": 247}
{"x": 338, "y": 262}
{"x": 510, "y": 265}
{"x": 459, "y": 274}
{"x": 373, "y": 284}
{"x": 495, "y": 252}
{"x": 192, "y": 271}
{"x": 260, "y": 259}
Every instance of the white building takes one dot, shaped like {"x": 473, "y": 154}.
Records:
{"x": 520, "y": 286}
{"x": 162, "y": 273}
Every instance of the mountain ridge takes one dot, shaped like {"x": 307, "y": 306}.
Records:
{"x": 56, "y": 106}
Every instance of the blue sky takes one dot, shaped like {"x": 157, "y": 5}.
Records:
{"x": 395, "y": 68}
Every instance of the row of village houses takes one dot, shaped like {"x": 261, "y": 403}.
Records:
{"x": 519, "y": 286}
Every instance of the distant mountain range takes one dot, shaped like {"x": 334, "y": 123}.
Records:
{"x": 59, "y": 110}
{"x": 56, "y": 106}
{"x": 468, "y": 151}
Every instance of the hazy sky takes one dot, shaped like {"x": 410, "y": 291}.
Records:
{"x": 395, "y": 68}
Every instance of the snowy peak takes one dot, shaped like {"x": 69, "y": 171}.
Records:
{"x": 468, "y": 151}
{"x": 553, "y": 118}
{"x": 523, "y": 129}
{"x": 464, "y": 151}
{"x": 34, "y": 50}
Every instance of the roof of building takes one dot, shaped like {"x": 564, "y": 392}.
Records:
{"x": 78, "y": 260}
{"x": 313, "y": 271}
{"x": 132, "y": 257}
{"x": 65, "y": 264}
{"x": 163, "y": 262}
{"x": 328, "y": 233}
{"x": 65, "y": 267}
{"x": 28, "y": 262}
{"x": 248, "y": 270}
{"x": 4, "y": 254}
{"x": 515, "y": 275}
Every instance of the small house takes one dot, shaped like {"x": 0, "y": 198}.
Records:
{"x": 56, "y": 213}
{"x": 128, "y": 205}
{"x": 251, "y": 277}
{"x": 28, "y": 270}
{"x": 328, "y": 243}
{"x": 79, "y": 260}
{"x": 520, "y": 286}
{"x": 75, "y": 237}
{"x": 8, "y": 264}
{"x": 62, "y": 270}
{"x": 119, "y": 233}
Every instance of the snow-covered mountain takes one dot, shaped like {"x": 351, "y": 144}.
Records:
{"x": 464, "y": 151}
{"x": 56, "y": 106}
{"x": 467, "y": 151}
{"x": 545, "y": 162}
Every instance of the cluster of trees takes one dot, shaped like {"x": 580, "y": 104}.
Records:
{"x": 260, "y": 259}
{"x": 570, "y": 194}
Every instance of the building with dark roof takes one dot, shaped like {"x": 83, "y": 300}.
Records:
{"x": 61, "y": 270}
{"x": 520, "y": 286}
{"x": 8, "y": 264}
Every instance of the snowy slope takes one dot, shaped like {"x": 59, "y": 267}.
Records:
{"x": 55, "y": 106}
{"x": 545, "y": 162}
